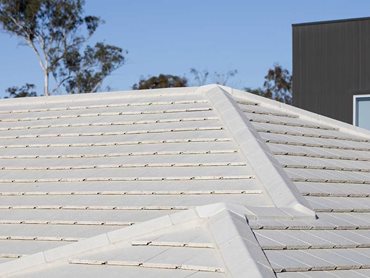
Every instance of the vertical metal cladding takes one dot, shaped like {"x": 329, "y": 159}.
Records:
{"x": 331, "y": 63}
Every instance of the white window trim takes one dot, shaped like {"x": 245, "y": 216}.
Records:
{"x": 355, "y": 98}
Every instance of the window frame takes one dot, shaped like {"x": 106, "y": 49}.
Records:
{"x": 355, "y": 99}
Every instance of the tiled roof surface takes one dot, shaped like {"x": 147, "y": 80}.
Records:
{"x": 77, "y": 171}
{"x": 179, "y": 253}
{"x": 79, "y": 166}
{"x": 331, "y": 169}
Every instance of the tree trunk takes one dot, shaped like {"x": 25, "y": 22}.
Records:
{"x": 46, "y": 83}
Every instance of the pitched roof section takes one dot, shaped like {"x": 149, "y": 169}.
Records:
{"x": 89, "y": 166}
{"x": 209, "y": 241}
{"x": 328, "y": 162}
{"x": 73, "y": 167}
{"x": 77, "y": 166}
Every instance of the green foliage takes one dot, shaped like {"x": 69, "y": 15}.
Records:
{"x": 26, "y": 90}
{"x": 277, "y": 85}
{"x": 57, "y": 32}
{"x": 161, "y": 81}
{"x": 20, "y": 17}
{"x": 199, "y": 78}
{"x": 92, "y": 67}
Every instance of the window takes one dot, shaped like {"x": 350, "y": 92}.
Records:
{"x": 361, "y": 111}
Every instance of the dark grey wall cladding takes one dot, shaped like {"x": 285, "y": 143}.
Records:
{"x": 331, "y": 63}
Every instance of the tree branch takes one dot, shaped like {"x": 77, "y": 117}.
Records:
{"x": 28, "y": 40}
{"x": 60, "y": 83}
{"x": 97, "y": 85}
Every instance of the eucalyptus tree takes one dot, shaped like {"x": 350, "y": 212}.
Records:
{"x": 58, "y": 32}
{"x": 277, "y": 85}
{"x": 204, "y": 77}
{"x": 27, "y": 90}
{"x": 161, "y": 81}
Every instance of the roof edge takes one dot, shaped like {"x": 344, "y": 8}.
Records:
{"x": 303, "y": 114}
{"x": 95, "y": 96}
{"x": 277, "y": 184}
{"x": 330, "y": 21}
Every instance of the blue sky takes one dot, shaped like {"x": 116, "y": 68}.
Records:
{"x": 172, "y": 36}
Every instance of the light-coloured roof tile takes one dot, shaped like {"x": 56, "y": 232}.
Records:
{"x": 79, "y": 169}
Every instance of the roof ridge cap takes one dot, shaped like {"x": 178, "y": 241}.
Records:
{"x": 277, "y": 184}
{"x": 239, "y": 249}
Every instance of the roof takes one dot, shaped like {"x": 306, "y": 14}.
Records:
{"x": 190, "y": 182}
{"x": 331, "y": 21}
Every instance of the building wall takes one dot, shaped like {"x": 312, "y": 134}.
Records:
{"x": 331, "y": 63}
